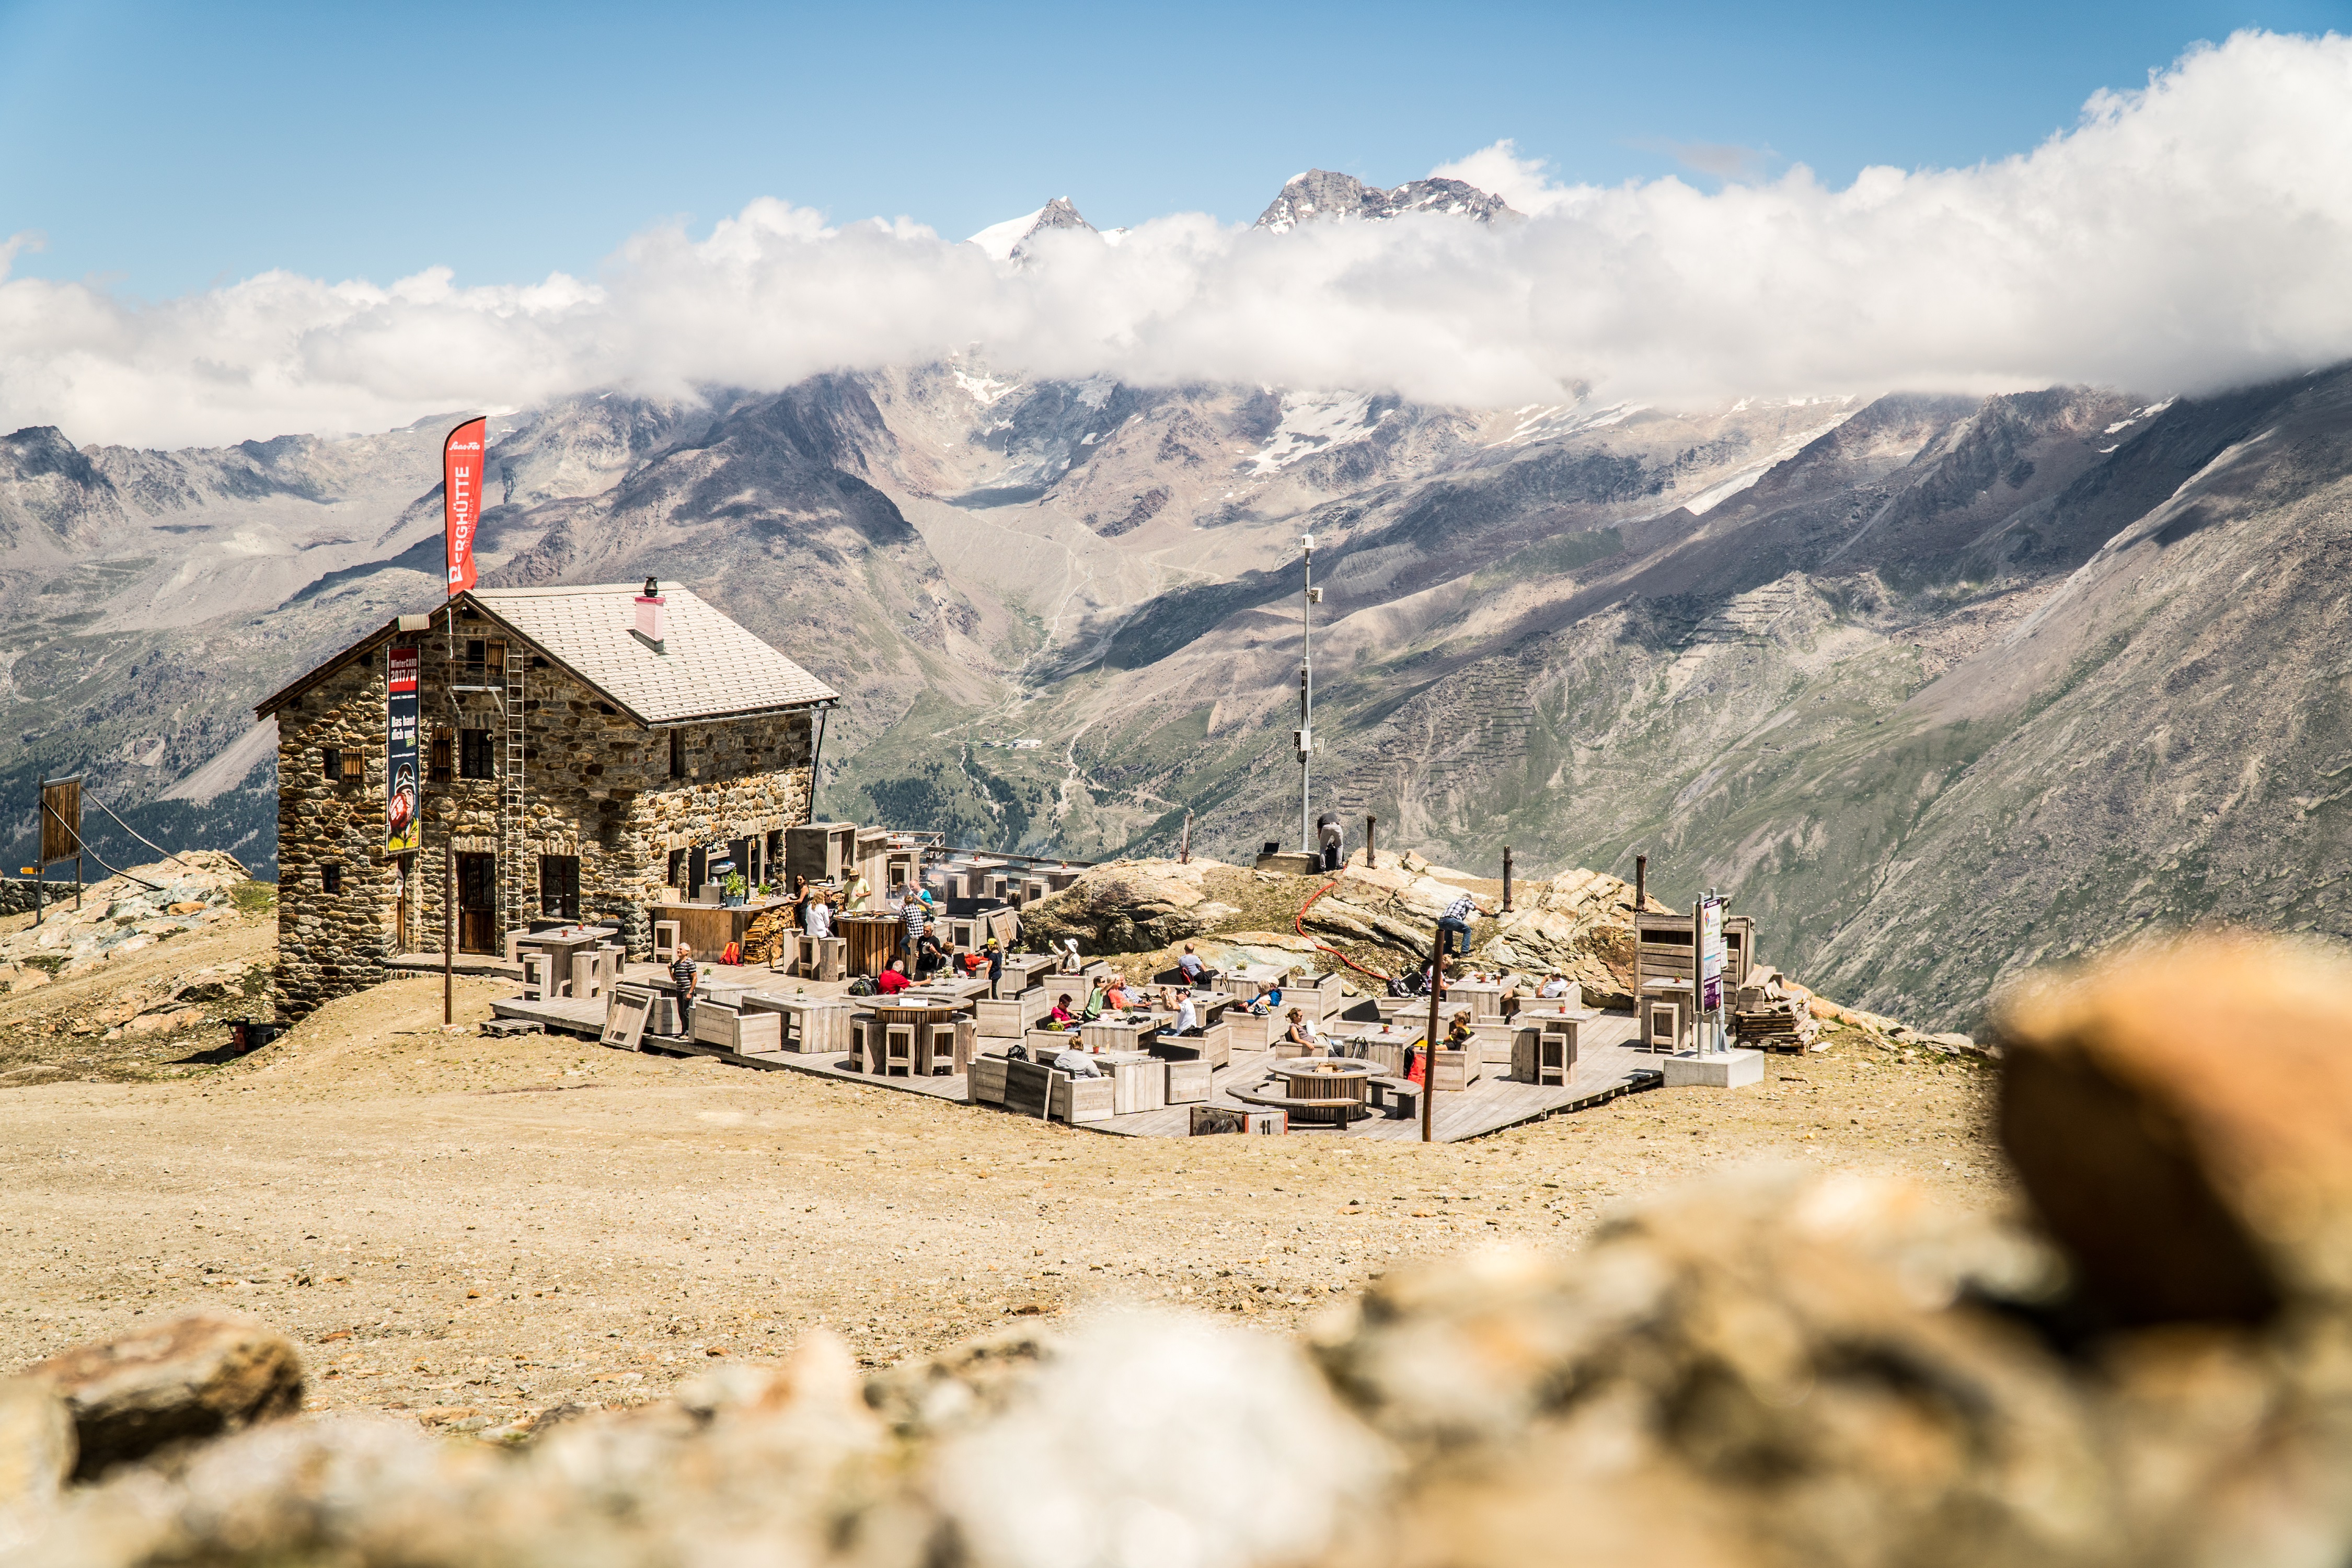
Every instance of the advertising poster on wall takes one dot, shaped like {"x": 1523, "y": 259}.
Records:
{"x": 400, "y": 827}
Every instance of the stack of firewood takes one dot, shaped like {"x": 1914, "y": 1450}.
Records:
{"x": 1766, "y": 1017}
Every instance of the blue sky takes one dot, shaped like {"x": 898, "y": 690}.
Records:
{"x": 162, "y": 148}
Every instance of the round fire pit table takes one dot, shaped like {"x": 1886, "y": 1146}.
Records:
{"x": 1330, "y": 1088}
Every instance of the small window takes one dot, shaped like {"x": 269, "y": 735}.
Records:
{"x": 354, "y": 768}
{"x": 474, "y": 755}
{"x": 476, "y": 651}
{"x": 439, "y": 763}
{"x": 330, "y": 878}
{"x": 559, "y": 887}
{"x": 677, "y": 754}
{"x": 330, "y": 762}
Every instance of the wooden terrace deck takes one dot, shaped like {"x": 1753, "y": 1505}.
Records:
{"x": 1607, "y": 1068}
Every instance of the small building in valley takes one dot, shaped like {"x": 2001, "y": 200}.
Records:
{"x": 575, "y": 753}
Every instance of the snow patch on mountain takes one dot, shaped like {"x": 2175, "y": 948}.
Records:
{"x": 1313, "y": 422}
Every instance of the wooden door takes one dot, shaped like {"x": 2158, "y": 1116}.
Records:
{"x": 478, "y": 903}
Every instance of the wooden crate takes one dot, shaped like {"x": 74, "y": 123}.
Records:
{"x": 1076, "y": 1099}
{"x": 986, "y": 1085}
{"x": 1138, "y": 1085}
{"x": 1188, "y": 1082}
{"x": 820, "y": 957}
{"x": 1009, "y": 1018}
{"x": 1205, "y": 1120}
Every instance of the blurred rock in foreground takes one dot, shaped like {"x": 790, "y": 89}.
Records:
{"x": 1778, "y": 1369}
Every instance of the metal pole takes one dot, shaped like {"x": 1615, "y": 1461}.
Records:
{"x": 448, "y": 932}
{"x": 1371, "y": 855}
{"x": 1506, "y": 878}
{"x": 1429, "y": 1044}
{"x": 1307, "y": 701}
{"x": 1641, "y": 897}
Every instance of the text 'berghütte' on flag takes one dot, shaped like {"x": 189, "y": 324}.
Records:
{"x": 461, "y": 497}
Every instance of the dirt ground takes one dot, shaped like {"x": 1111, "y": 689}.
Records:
{"x": 475, "y": 1230}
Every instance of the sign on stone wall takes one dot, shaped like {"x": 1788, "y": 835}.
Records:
{"x": 400, "y": 825}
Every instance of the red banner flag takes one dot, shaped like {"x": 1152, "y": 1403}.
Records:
{"x": 461, "y": 497}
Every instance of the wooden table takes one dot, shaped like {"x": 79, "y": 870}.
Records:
{"x": 1244, "y": 981}
{"x": 815, "y": 1026}
{"x": 1124, "y": 1031}
{"x": 1332, "y": 1088}
{"x": 561, "y": 946}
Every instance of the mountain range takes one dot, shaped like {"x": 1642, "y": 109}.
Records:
{"x": 1938, "y": 688}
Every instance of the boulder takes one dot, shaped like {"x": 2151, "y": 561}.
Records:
{"x": 36, "y": 1442}
{"x": 1127, "y": 906}
{"x": 189, "y": 1377}
{"x": 2182, "y": 1120}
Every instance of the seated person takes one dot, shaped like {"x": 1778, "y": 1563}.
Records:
{"x": 1066, "y": 958}
{"x": 1188, "y": 1021}
{"x": 1096, "y": 1000}
{"x": 1459, "y": 1034}
{"x": 893, "y": 979}
{"x": 1267, "y": 999}
{"x": 1554, "y": 988}
{"x": 928, "y": 955}
{"x": 1115, "y": 996}
{"x": 1077, "y": 1064}
{"x": 1301, "y": 1032}
{"x": 1061, "y": 1018}
{"x": 1195, "y": 971}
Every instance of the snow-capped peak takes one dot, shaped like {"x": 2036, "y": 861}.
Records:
{"x": 1006, "y": 241}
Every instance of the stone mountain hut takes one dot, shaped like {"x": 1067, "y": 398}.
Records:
{"x": 582, "y": 752}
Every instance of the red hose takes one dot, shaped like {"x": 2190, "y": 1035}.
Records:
{"x": 1299, "y": 923}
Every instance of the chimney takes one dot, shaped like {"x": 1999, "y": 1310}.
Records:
{"x": 653, "y": 621}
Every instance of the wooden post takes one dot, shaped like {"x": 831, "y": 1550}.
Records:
{"x": 1429, "y": 1044}
{"x": 1371, "y": 855}
{"x": 1641, "y": 895}
{"x": 448, "y": 932}
{"x": 1506, "y": 878}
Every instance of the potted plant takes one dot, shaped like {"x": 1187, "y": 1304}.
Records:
{"x": 734, "y": 886}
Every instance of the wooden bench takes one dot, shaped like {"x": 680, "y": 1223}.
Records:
{"x": 1399, "y": 1098}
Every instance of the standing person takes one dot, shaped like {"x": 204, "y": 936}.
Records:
{"x": 818, "y": 916}
{"x": 1453, "y": 925}
{"x": 995, "y": 951}
{"x": 682, "y": 974}
{"x": 1328, "y": 829}
{"x": 916, "y": 916}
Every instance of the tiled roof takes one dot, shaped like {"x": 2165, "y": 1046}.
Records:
{"x": 710, "y": 667}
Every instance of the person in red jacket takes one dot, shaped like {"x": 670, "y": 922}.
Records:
{"x": 893, "y": 979}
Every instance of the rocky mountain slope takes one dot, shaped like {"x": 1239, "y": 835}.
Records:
{"x": 1934, "y": 686}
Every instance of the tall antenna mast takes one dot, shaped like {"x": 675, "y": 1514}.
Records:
{"x": 1307, "y": 700}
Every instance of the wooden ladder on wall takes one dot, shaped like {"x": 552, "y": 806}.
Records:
{"x": 515, "y": 888}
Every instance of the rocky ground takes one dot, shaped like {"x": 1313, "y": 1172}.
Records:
{"x": 470, "y": 1231}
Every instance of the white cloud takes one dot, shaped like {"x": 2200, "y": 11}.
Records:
{"x": 2190, "y": 234}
